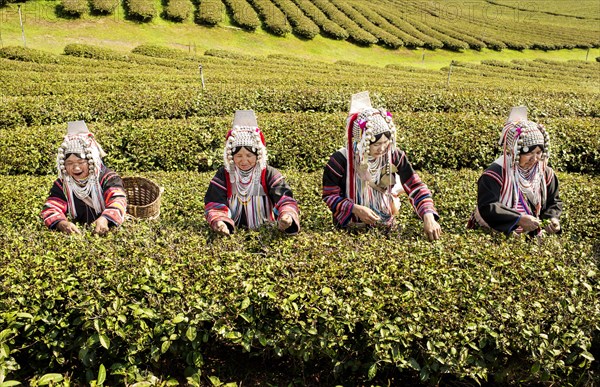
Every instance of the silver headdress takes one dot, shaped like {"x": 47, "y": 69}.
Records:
{"x": 81, "y": 142}
{"x": 246, "y": 133}
{"x": 520, "y": 135}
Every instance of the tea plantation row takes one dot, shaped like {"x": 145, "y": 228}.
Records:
{"x": 155, "y": 302}
{"x": 159, "y": 296}
{"x": 391, "y": 23}
{"x": 295, "y": 140}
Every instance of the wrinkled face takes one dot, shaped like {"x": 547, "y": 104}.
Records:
{"x": 76, "y": 167}
{"x": 244, "y": 159}
{"x": 379, "y": 147}
{"x": 528, "y": 160}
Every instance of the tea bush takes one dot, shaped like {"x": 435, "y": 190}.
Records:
{"x": 159, "y": 295}
{"x": 303, "y": 26}
{"x": 384, "y": 37}
{"x": 177, "y": 10}
{"x": 154, "y": 301}
{"x": 160, "y": 52}
{"x": 328, "y": 27}
{"x": 355, "y": 33}
{"x": 27, "y": 55}
{"x": 74, "y": 8}
{"x": 140, "y": 10}
{"x": 295, "y": 140}
{"x": 243, "y": 14}
{"x": 209, "y": 12}
{"x": 103, "y": 7}
{"x": 89, "y": 51}
{"x": 273, "y": 18}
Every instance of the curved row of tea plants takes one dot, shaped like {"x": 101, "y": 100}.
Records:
{"x": 162, "y": 295}
{"x": 295, "y": 140}
{"x": 222, "y": 63}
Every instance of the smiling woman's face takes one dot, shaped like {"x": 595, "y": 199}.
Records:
{"x": 76, "y": 167}
{"x": 528, "y": 160}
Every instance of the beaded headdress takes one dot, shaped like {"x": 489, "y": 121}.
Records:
{"x": 520, "y": 135}
{"x": 363, "y": 124}
{"x": 246, "y": 133}
{"x": 366, "y": 123}
{"x": 81, "y": 142}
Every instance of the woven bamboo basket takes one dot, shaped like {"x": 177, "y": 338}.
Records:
{"x": 143, "y": 197}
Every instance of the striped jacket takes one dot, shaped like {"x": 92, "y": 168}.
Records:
{"x": 115, "y": 202}
{"x": 334, "y": 188}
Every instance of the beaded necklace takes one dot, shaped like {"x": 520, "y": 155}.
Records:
{"x": 377, "y": 199}
{"x": 529, "y": 182}
{"x": 244, "y": 182}
{"x": 249, "y": 199}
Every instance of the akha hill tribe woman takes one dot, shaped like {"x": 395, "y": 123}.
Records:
{"x": 362, "y": 181}
{"x": 245, "y": 191}
{"x": 86, "y": 191}
{"x": 519, "y": 189}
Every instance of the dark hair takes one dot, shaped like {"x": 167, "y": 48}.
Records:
{"x": 387, "y": 135}
{"x": 531, "y": 149}
{"x": 78, "y": 155}
{"x": 236, "y": 150}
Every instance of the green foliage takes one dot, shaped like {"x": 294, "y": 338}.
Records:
{"x": 177, "y": 10}
{"x": 27, "y": 55}
{"x": 243, "y": 14}
{"x": 156, "y": 51}
{"x": 103, "y": 7}
{"x": 356, "y": 34}
{"x": 210, "y": 12}
{"x": 375, "y": 18}
{"x": 74, "y": 7}
{"x": 89, "y": 51}
{"x": 140, "y": 10}
{"x": 152, "y": 301}
{"x": 383, "y": 37}
{"x": 159, "y": 295}
{"x": 328, "y": 27}
{"x": 195, "y": 143}
{"x": 274, "y": 20}
{"x": 227, "y": 54}
{"x": 303, "y": 26}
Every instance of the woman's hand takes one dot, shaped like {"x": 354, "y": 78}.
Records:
{"x": 68, "y": 227}
{"x": 431, "y": 227}
{"x": 365, "y": 214}
{"x": 553, "y": 227}
{"x": 529, "y": 223}
{"x": 221, "y": 228}
{"x": 101, "y": 226}
{"x": 284, "y": 222}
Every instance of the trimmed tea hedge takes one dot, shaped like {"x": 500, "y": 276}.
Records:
{"x": 74, "y": 7}
{"x": 357, "y": 34}
{"x": 210, "y": 12}
{"x": 103, "y": 7}
{"x": 161, "y": 52}
{"x": 383, "y": 37}
{"x": 303, "y": 26}
{"x": 273, "y": 18}
{"x": 177, "y": 10}
{"x": 27, "y": 55}
{"x": 295, "y": 140}
{"x": 140, "y": 10}
{"x": 328, "y": 27}
{"x": 243, "y": 14}
{"x": 158, "y": 295}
